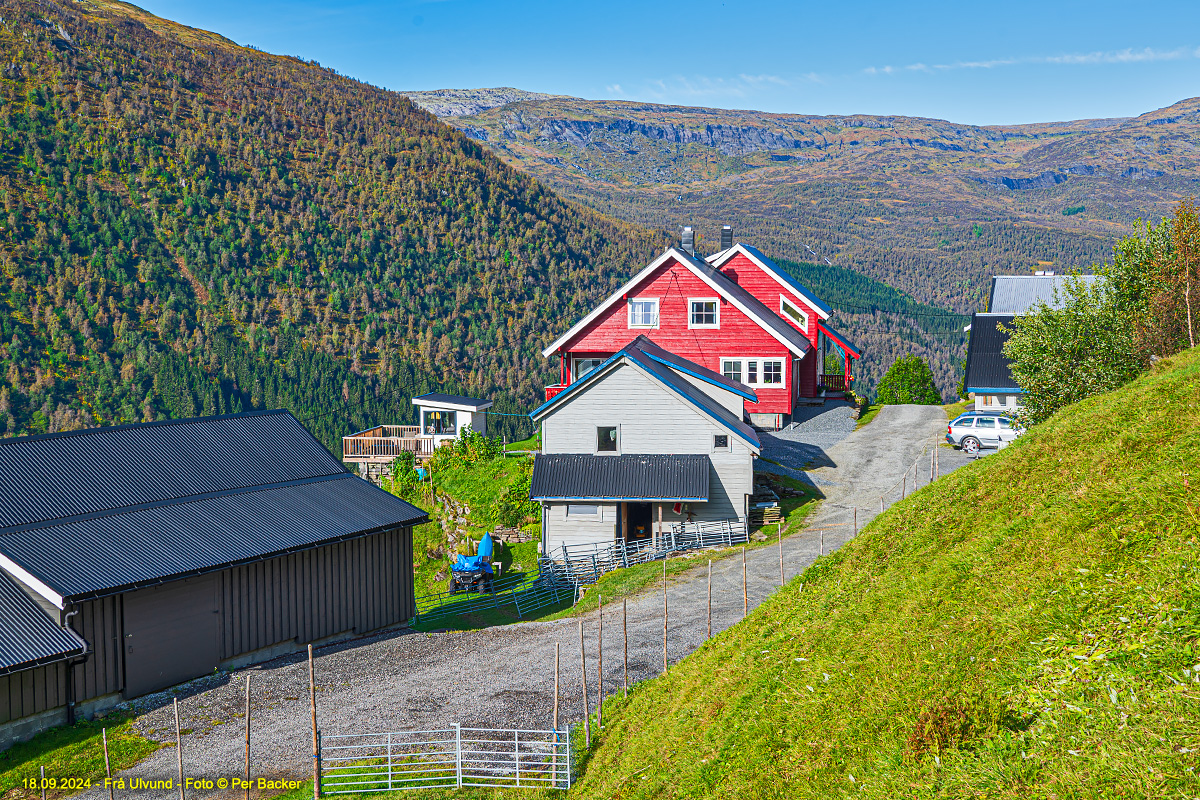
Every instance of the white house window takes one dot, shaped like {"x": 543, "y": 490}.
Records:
{"x": 582, "y": 510}
{"x": 607, "y": 439}
{"x": 732, "y": 369}
{"x": 793, "y": 312}
{"x": 751, "y": 372}
{"x": 585, "y": 365}
{"x": 705, "y": 312}
{"x": 643, "y": 313}
{"x": 721, "y": 443}
{"x": 772, "y": 372}
{"x": 439, "y": 423}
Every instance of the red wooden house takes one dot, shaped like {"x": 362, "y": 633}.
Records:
{"x": 736, "y": 312}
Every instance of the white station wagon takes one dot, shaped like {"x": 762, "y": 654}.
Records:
{"x": 973, "y": 432}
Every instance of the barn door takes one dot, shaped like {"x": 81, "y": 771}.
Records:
{"x": 172, "y": 634}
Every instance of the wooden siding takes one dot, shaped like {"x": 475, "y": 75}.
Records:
{"x": 738, "y": 336}
{"x": 652, "y": 420}
{"x": 359, "y": 585}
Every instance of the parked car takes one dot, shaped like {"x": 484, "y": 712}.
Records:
{"x": 974, "y": 431}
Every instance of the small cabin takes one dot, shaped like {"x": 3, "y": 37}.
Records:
{"x": 448, "y": 416}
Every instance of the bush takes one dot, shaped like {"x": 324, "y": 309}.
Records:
{"x": 909, "y": 380}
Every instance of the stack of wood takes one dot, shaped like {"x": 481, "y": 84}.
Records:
{"x": 765, "y": 516}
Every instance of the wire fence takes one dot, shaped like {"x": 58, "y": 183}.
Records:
{"x": 453, "y": 757}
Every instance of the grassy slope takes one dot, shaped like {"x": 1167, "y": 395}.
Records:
{"x": 1026, "y": 627}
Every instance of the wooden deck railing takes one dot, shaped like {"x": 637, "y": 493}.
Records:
{"x": 833, "y": 383}
{"x": 386, "y": 442}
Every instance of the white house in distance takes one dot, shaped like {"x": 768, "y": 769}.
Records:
{"x": 447, "y": 416}
{"x": 644, "y": 440}
{"x": 988, "y": 377}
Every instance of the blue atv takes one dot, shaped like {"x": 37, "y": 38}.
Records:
{"x": 473, "y": 573}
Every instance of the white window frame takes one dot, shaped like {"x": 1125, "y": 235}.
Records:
{"x": 597, "y": 513}
{"x": 728, "y": 448}
{"x": 740, "y": 368}
{"x": 758, "y": 362}
{"x": 600, "y": 452}
{"x": 657, "y": 312}
{"x": 716, "y": 323}
{"x": 784, "y": 304}
{"x": 575, "y": 373}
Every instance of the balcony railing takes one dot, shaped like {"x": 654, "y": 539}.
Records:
{"x": 551, "y": 391}
{"x": 386, "y": 442}
{"x": 833, "y": 383}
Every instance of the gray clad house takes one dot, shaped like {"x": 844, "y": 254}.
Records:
{"x": 133, "y": 558}
{"x": 646, "y": 439}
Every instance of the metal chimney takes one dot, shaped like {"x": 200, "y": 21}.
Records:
{"x": 726, "y": 237}
{"x": 688, "y": 240}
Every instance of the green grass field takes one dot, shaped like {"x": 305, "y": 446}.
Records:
{"x": 1026, "y": 627}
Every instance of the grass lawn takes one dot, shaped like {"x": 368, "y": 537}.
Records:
{"x": 869, "y": 413}
{"x": 532, "y": 443}
{"x": 955, "y": 409}
{"x": 74, "y": 753}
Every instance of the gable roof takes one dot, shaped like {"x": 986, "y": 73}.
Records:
{"x": 1020, "y": 294}
{"x": 29, "y": 637}
{"x": 775, "y": 271}
{"x": 681, "y": 364}
{"x": 100, "y": 511}
{"x": 662, "y": 478}
{"x": 664, "y": 373}
{"x": 988, "y": 369}
{"x": 846, "y": 344}
{"x": 745, "y": 302}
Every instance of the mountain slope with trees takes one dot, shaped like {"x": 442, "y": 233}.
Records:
{"x": 194, "y": 227}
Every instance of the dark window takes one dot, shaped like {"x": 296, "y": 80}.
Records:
{"x": 732, "y": 370}
{"x": 985, "y": 422}
{"x": 772, "y": 372}
{"x": 606, "y": 439}
{"x": 751, "y": 372}
{"x": 964, "y": 422}
{"x": 721, "y": 441}
{"x": 704, "y": 312}
{"x": 440, "y": 423}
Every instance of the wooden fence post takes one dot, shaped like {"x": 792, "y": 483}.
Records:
{"x": 709, "y": 599}
{"x": 587, "y": 723}
{"x": 664, "y": 616}
{"x": 600, "y": 664}
{"x": 856, "y": 522}
{"x": 745, "y": 591}
{"x": 781, "y": 556}
{"x": 625, "y": 628}
{"x": 107, "y": 766}
{"x": 247, "y": 736}
{"x": 556, "y": 649}
{"x": 178, "y": 747}
{"x": 316, "y": 742}
{"x": 43, "y": 781}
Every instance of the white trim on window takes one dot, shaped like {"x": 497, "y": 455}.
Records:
{"x": 722, "y": 448}
{"x": 716, "y": 312}
{"x": 788, "y": 310}
{"x": 751, "y": 369}
{"x": 642, "y": 323}
{"x": 576, "y": 372}
{"x": 590, "y": 510}
{"x": 617, "y": 451}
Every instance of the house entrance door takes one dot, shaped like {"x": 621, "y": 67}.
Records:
{"x": 641, "y": 521}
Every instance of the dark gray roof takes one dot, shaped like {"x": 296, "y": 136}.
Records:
{"x": 692, "y": 368}
{"x": 452, "y": 399}
{"x": 664, "y": 372}
{"x": 111, "y": 509}
{"x": 987, "y": 366}
{"x": 625, "y": 477}
{"x": 1019, "y": 294}
{"x": 29, "y": 637}
{"x": 766, "y": 316}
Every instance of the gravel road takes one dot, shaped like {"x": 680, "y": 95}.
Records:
{"x": 503, "y": 677}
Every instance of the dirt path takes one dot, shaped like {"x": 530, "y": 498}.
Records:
{"x": 503, "y": 677}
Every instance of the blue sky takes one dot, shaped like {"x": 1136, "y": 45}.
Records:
{"x": 974, "y": 62}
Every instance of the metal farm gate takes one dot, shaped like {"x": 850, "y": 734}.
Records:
{"x": 450, "y": 757}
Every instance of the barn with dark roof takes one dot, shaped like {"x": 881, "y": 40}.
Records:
{"x": 136, "y": 557}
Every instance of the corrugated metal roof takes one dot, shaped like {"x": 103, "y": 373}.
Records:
{"x": 451, "y": 399}
{"x": 102, "y": 555}
{"x": 626, "y": 477}
{"x": 28, "y": 637}
{"x": 667, "y": 375}
{"x": 92, "y": 512}
{"x": 66, "y": 474}
{"x": 1019, "y": 294}
{"x": 987, "y": 366}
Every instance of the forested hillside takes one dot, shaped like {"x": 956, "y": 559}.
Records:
{"x": 193, "y": 227}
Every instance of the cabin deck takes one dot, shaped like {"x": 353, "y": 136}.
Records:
{"x": 384, "y": 443}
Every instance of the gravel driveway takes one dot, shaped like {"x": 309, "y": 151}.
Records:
{"x": 503, "y": 677}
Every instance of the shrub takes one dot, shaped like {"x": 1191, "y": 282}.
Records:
{"x": 909, "y": 380}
